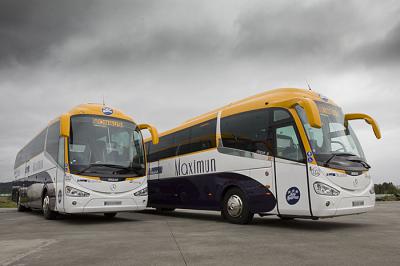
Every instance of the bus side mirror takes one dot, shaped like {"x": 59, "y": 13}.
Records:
{"x": 65, "y": 125}
{"x": 309, "y": 106}
{"x": 367, "y": 119}
{"x": 153, "y": 132}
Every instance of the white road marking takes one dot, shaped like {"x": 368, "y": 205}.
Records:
{"x": 11, "y": 248}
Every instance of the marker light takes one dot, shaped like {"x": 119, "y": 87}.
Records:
{"x": 73, "y": 192}
{"x": 324, "y": 189}
{"x": 142, "y": 192}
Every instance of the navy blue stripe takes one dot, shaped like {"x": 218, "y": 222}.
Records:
{"x": 205, "y": 192}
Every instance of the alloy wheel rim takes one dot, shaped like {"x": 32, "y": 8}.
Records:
{"x": 235, "y": 206}
{"x": 46, "y": 201}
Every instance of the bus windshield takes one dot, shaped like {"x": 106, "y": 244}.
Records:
{"x": 104, "y": 146}
{"x": 333, "y": 139}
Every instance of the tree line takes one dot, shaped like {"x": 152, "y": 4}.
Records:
{"x": 386, "y": 188}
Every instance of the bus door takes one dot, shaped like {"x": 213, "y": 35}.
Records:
{"x": 60, "y": 176}
{"x": 290, "y": 168}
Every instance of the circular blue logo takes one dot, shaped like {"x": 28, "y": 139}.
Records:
{"x": 107, "y": 111}
{"x": 293, "y": 195}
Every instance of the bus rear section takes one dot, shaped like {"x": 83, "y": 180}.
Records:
{"x": 94, "y": 162}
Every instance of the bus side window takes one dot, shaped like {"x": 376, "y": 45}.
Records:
{"x": 247, "y": 131}
{"x": 35, "y": 146}
{"x": 61, "y": 146}
{"x": 53, "y": 136}
{"x": 182, "y": 141}
{"x": 202, "y": 136}
{"x": 287, "y": 144}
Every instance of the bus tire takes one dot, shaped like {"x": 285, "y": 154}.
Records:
{"x": 20, "y": 207}
{"x": 47, "y": 212}
{"x": 110, "y": 215}
{"x": 235, "y": 207}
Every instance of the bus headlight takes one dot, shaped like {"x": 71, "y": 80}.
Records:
{"x": 324, "y": 189}
{"x": 142, "y": 192}
{"x": 73, "y": 192}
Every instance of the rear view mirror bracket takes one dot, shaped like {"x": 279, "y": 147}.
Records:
{"x": 153, "y": 131}
{"x": 309, "y": 106}
{"x": 368, "y": 119}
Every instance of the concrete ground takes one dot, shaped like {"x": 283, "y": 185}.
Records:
{"x": 199, "y": 238}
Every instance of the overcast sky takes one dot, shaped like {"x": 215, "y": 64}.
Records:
{"x": 164, "y": 62}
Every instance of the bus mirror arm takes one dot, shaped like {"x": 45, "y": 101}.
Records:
{"x": 64, "y": 125}
{"x": 367, "y": 119}
{"x": 153, "y": 132}
{"x": 309, "y": 106}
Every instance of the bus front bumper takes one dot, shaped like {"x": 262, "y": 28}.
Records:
{"x": 103, "y": 205}
{"x": 344, "y": 206}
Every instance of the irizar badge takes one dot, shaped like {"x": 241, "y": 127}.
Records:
{"x": 107, "y": 110}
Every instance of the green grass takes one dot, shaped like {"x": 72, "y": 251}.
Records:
{"x": 5, "y": 202}
{"x": 391, "y": 197}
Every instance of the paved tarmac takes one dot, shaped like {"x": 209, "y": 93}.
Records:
{"x": 199, "y": 238}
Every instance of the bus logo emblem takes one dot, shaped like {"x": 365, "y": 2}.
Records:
{"x": 113, "y": 187}
{"x": 107, "y": 110}
{"x": 293, "y": 195}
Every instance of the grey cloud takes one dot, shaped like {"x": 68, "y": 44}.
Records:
{"x": 28, "y": 29}
{"x": 295, "y": 29}
{"x": 381, "y": 51}
{"x": 157, "y": 34}
{"x": 165, "y": 46}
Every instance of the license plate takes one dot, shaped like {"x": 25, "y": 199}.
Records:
{"x": 358, "y": 203}
{"x": 112, "y": 203}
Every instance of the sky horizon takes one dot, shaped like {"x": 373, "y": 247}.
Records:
{"x": 166, "y": 62}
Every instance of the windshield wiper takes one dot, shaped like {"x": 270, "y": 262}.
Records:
{"x": 338, "y": 154}
{"x": 364, "y": 163}
{"x": 354, "y": 158}
{"x": 115, "y": 166}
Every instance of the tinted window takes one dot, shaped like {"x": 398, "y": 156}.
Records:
{"x": 281, "y": 115}
{"x": 247, "y": 131}
{"x": 150, "y": 149}
{"x": 202, "y": 136}
{"x": 53, "y": 136}
{"x": 19, "y": 160}
{"x": 182, "y": 141}
{"x": 196, "y": 138}
{"x": 164, "y": 148}
{"x": 33, "y": 148}
{"x": 36, "y": 146}
{"x": 287, "y": 144}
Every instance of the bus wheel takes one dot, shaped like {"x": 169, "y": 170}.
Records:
{"x": 110, "y": 214}
{"x": 20, "y": 207}
{"x": 235, "y": 207}
{"x": 47, "y": 212}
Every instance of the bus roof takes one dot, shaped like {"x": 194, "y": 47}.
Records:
{"x": 96, "y": 109}
{"x": 254, "y": 102}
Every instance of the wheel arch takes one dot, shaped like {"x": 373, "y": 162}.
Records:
{"x": 49, "y": 189}
{"x": 226, "y": 189}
